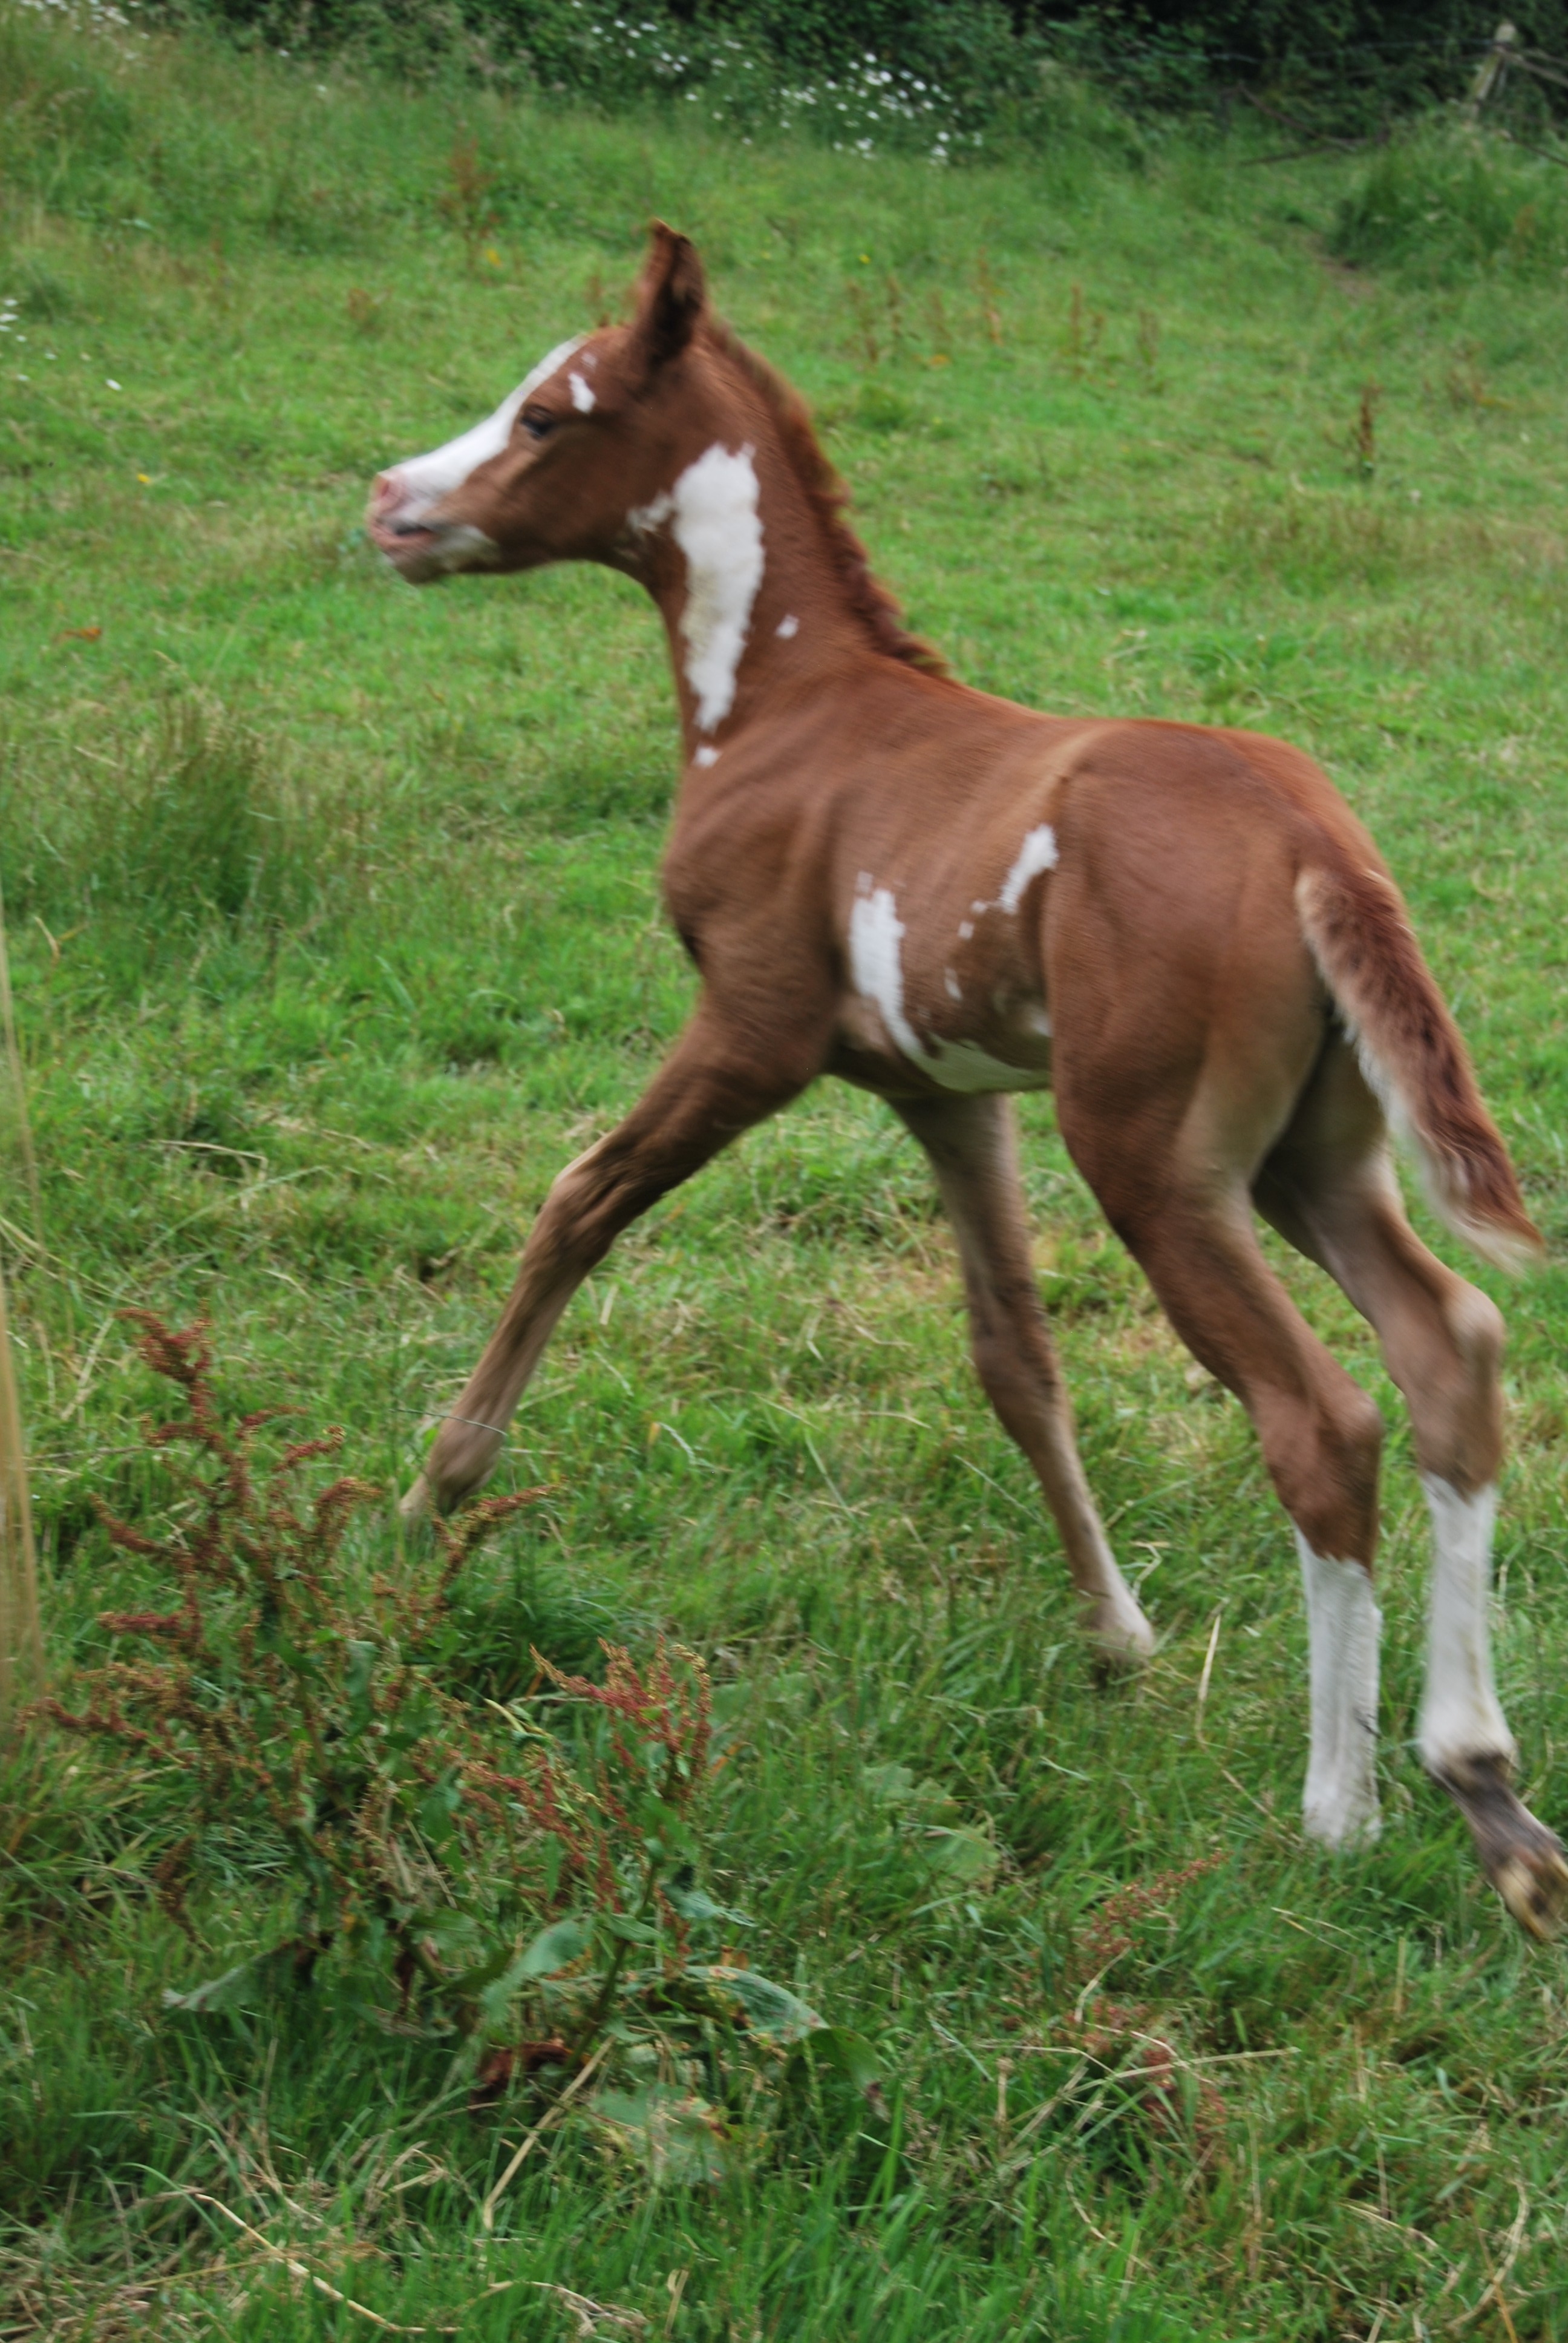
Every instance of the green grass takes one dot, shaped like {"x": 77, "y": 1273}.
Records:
{"x": 334, "y": 930}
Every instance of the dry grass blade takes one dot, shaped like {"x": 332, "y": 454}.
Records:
{"x": 594, "y": 2318}
{"x": 308, "y": 2277}
{"x": 21, "y": 1645}
{"x": 551, "y": 2115}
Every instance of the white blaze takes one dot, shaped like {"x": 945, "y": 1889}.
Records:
{"x": 426, "y": 479}
{"x": 1343, "y": 1624}
{"x": 1461, "y": 1715}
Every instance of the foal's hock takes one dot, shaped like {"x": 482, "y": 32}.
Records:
{"x": 945, "y": 897}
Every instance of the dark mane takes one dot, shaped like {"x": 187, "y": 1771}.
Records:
{"x": 827, "y": 495}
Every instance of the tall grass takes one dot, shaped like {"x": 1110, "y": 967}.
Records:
{"x": 1446, "y": 200}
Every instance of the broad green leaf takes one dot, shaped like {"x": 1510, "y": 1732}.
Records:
{"x": 771, "y": 2009}
{"x": 679, "y": 2139}
{"x": 556, "y": 1946}
{"x": 965, "y": 1856}
{"x": 629, "y": 1931}
{"x": 692, "y": 1904}
{"x": 850, "y": 2054}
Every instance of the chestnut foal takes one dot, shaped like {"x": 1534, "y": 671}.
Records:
{"x": 945, "y": 897}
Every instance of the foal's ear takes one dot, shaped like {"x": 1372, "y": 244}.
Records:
{"x": 671, "y": 295}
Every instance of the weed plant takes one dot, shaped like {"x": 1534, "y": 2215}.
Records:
{"x": 334, "y": 931}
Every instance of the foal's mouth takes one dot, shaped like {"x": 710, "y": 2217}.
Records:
{"x": 395, "y": 538}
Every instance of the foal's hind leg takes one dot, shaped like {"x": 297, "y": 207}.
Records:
{"x": 973, "y": 1146}
{"x": 715, "y": 1084}
{"x": 1330, "y": 1188}
{"x": 1188, "y": 1219}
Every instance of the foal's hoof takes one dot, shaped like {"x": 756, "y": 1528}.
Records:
{"x": 1523, "y": 1860}
{"x": 1119, "y": 1633}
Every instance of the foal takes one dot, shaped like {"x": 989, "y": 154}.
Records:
{"x": 945, "y": 897}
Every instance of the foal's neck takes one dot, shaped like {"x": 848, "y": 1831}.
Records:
{"x": 748, "y": 579}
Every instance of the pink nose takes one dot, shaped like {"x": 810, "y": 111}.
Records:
{"x": 386, "y": 495}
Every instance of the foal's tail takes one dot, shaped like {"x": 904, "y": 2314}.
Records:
{"x": 1360, "y": 937}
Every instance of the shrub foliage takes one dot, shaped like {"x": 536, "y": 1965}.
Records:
{"x": 467, "y": 1869}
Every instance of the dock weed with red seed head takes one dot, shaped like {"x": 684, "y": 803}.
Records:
{"x": 504, "y": 1881}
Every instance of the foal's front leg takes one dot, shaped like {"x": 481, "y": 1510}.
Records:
{"x": 973, "y": 1148}
{"x": 715, "y": 1085}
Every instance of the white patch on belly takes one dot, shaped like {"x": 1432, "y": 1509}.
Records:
{"x": 705, "y": 756}
{"x": 1461, "y": 1715}
{"x": 955, "y": 989}
{"x": 1338, "y": 1804}
{"x": 426, "y": 479}
{"x": 966, "y": 930}
{"x": 875, "y": 933}
{"x": 715, "y": 525}
{"x": 788, "y": 628}
{"x": 583, "y": 398}
{"x": 1037, "y": 853}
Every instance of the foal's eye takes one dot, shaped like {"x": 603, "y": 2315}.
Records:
{"x": 537, "y": 422}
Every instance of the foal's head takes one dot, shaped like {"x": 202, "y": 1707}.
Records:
{"x": 569, "y": 466}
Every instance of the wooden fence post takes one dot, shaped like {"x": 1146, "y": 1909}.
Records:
{"x": 1493, "y": 67}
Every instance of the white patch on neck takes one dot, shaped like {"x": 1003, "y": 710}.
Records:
{"x": 1338, "y": 1804}
{"x": 714, "y": 521}
{"x": 875, "y": 933}
{"x": 788, "y": 628}
{"x": 426, "y": 479}
{"x": 583, "y": 398}
{"x": 1460, "y": 1715}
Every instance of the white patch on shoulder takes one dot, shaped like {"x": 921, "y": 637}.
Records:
{"x": 788, "y": 628}
{"x": 426, "y": 479}
{"x": 715, "y": 523}
{"x": 705, "y": 756}
{"x": 1037, "y": 853}
{"x": 583, "y": 398}
{"x": 876, "y": 932}
{"x": 955, "y": 989}
{"x": 1460, "y": 1715}
{"x": 1338, "y": 1804}
{"x": 966, "y": 930}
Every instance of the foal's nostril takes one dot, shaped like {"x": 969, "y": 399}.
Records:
{"x": 386, "y": 495}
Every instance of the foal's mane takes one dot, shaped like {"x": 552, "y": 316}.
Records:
{"x": 827, "y": 497}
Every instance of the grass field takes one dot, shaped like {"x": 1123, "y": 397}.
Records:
{"x": 334, "y": 930}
